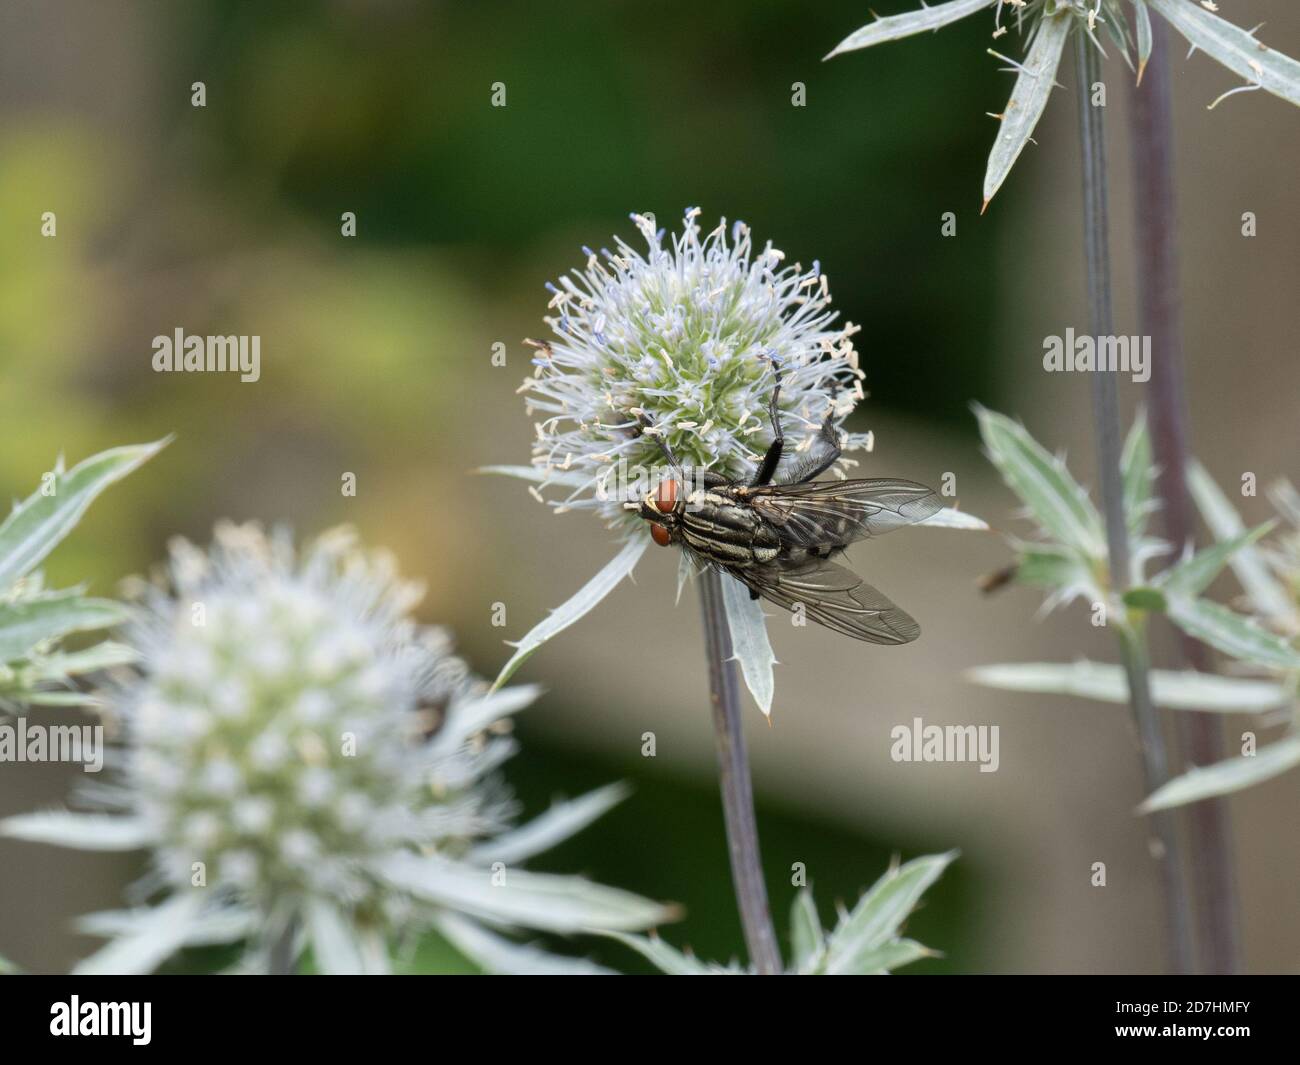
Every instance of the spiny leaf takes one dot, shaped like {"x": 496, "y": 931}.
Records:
{"x": 38, "y": 523}
{"x": 1028, "y": 99}
{"x": 587, "y": 599}
{"x": 1193, "y": 575}
{"x": 896, "y": 27}
{"x": 1139, "y": 475}
{"x": 1143, "y": 17}
{"x": 1231, "y": 775}
{"x": 806, "y": 936}
{"x": 29, "y": 622}
{"x": 1175, "y": 689}
{"x": 668, "y": 958}
{"x": 1232, "y": 633}
{"x": 749, "y": 641}
{"x": 1267, "y": 596}
{"x": 561, "y": 821}
{"x": 880, "y": 913}
{"x": 1044, "y": 485}
{"x": 1234, "y": 48}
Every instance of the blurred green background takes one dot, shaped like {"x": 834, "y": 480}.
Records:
{"x": 376, "y": 360}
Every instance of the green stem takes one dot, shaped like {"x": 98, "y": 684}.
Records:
{"x": 737, "y": 791}
{"x": 1105, "y": 396}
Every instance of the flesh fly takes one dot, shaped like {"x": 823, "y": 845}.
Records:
{"x": 779, "y": 539}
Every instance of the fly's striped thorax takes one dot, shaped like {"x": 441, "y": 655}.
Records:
{"x": 731, "y": 533}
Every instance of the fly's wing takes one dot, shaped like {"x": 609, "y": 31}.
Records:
{"x": 832, "y": 596}
{"x": 831, "y": 514}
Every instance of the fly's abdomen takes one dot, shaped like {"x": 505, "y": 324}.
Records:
{"x": 729, "y": 533}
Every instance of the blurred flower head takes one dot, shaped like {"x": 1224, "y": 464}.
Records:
{"x": 680, "y": 343}
{"x": 274, "y": 728}
{"x": 305, "y": 761}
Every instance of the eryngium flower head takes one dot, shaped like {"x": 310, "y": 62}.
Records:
{"x": 684, "y": 339}
{"x": 300, "y": 754}
{"x": 273, "y": 730}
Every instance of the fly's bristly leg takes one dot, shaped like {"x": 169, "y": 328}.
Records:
{"x": 648, "y": 429}
{"x": 825, "y": 452}
{"x": 831, "y": 438}
{"x": 773, "y": 457}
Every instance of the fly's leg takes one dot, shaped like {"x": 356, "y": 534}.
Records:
{"x": 831, "y": 438}
{"x": 647, "y": 429}
{"x": 826, "y": 451}
{"x": 773, "y": 457}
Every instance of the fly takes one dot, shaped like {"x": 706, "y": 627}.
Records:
{"x": 778, "y": 539}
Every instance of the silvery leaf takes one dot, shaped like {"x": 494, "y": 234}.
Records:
{"x": 1232, "y": 633}
{"x": 561, "y": 821}
{"x": 749, "y": 641}
{"x": 895, "y": 27}
{"x": 586, "y": 600}
{"x": 469, "y": 718}
{"x": 1175, "y": 689}
{"x": 807, "y": 939}
{"x": 61, "y": 664}
{"x": 529, "y": 900}
{"x": 1266, "y": 594}
{"x": 1227, "y": 776}
{"x": 879, "y": 915}
{"x": 1055, "y": 499}
{"x": 38, "y": 523}
{"x": 334, "y": 942}
{"x": 496, "y": 954}
{"x": 671, "y": 960}
{"x": 88, "y": 832}
{"x": 1028, "y": 99}
{"x": 1138, "y": 473}
{"x": 1234, "y": 48}
{"x": 1143, "y": 36}
{"x": 1194, "y": 574}
{"x": 147, "y": 938}
{"x": 26, "y": 623}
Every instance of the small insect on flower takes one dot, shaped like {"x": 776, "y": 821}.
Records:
{"x": 779, "y": 539}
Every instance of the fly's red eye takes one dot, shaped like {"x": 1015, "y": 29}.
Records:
{"x": 666, "y": 497}
{"x": 660, "y": 535}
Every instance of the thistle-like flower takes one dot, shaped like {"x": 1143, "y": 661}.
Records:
{"x": 682, "y": 346}
{"x": 680, "y": 350}
{"x": 1050, "y": 23}
{"x": 684, "y": 339}
{"x": 310, "y": 768}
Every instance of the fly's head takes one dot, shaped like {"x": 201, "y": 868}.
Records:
{"x": 662, "y": 508}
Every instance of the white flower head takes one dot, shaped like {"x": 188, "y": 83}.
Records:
{"x": 330, "y": 766}
{"x": 684, "y": 339}
{"x": 681, "y": 349}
